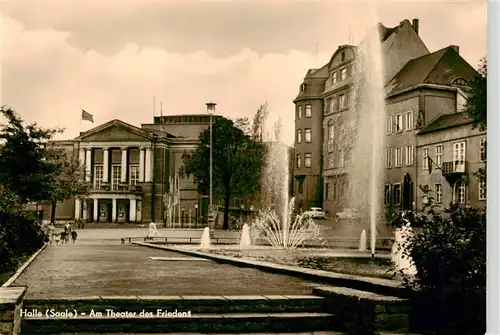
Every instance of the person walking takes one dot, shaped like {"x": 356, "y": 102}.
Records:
{"x": 152, "y": 231}
{"x": 67, "y": 232}
{"x": 51, "y": 230}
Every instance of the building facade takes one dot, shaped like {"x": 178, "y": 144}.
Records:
{"x": 129, "y": 169}
{"x": 420, "y": 87}
{"x": 449, "y": 154}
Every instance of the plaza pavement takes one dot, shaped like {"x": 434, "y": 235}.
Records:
{"x": 96, "y": 266}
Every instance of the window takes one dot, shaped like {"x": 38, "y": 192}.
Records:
{"x": 439, "y": 155}
{"x": 388, "y": 158}
{"x": 409, "y": 120}
{"x": 327, "y": 186}
{"x": 331, "y": 134}
{"x": 398, "y": 157}
{"x": 459, "y": 192}
{"x": 134, "y": 174}
{"x": 387, "y": 195}
{"x": 299, "y": 136}
{"x": 342, "y": 102}
{"x": 399, "y": 123}
{"x": 342, "y": 57}
{"x": 300, "y": 112}
{"x": 98, "y": 173}
{"x": 334, "y": 78}
{"x": 116, "y": 176}
{"x": 348, "y": 156}
{"x": 438, "y": 189}
{"x": 409, "y": 155}
{"x": 459, "y": 157}
{"x": 343, "y": 74}
{"x": 303, "y": 87}
{"x": 335, "y": 189}
{"x": 397, "y": 194}
{"x": 331, "y": 161}
{"x": 482, "y": 148}
{"x": 425, "y": 157}
{"x": 298, "y": 160}
{"x": 307, "y": 160}
{"x": 308, "y": 110}
{"x": 341, "y": 158}
{"x": 388, "y": 129}
{"x": 308, "y": 135}
{"x": 482, "y": 190}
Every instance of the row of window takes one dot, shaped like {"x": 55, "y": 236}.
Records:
{"x": 342, "y": 157}
{"x": 459, "y": 193}
{"x": 307, "y": 160}
{"x": 337, "y": 190}
{"x": 337, "y": 103}
{"x": 401, "y": 122}
{"x": 340, "y": 75}
{"x": 116, "y": 173}
{"x": 308, "y": 111}
{"x": 394, "y": 156}
{"x": 307, "y": 135}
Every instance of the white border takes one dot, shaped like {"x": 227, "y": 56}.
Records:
{"x": 493, "y": 178}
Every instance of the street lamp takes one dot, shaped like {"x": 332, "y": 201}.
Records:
{"x": 211, "y": 111}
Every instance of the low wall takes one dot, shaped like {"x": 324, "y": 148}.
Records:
{"x": 11, "y": 304}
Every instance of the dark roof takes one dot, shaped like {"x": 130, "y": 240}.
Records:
{"x": 446, "y": 121}
{"x": 440, "y": 67}
{"x": 385, "y": 32}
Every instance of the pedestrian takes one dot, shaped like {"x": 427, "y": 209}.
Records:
{"x": 74, "y": 236}
{"x": 67, "y": 232}
{"x": 51, "y": 230}
{"x": 152, "y": 231}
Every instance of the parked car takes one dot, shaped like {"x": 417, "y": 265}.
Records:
{"x": 348, "y": 214}
{"x": 316, "y": 213}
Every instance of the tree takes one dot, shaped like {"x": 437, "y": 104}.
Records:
{"x": 476, "y": 102}
{"x": 26, "y": 160}
{"x": 237, "y": 163}
{"x": 67, "y": 181}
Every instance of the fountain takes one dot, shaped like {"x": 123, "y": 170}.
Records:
{"x": 362, "y": 241}
{"x": 245, "y": 241}
{"x": 365, "y": 122}
{"x": 205, "y": 239}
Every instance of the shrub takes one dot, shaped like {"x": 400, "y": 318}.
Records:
{"x": 449, "y": 252}
{"x": 19, "y": 235}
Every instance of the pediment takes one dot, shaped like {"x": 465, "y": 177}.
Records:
{"x": 113, "y": 131}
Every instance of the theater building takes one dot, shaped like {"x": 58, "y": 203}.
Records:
{"x": 129, "y": 168}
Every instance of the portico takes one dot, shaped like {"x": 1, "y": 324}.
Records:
{"x": 109, "y": 208}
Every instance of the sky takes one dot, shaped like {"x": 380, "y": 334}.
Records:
{"x": 114, "y": 59}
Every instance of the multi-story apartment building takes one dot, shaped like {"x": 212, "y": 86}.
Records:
{"x": 456, "y": 153}
{"x": 420, "y": 86}
{"x": 129, "y": 169}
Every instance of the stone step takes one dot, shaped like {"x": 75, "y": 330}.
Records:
{"x": 205, "y": 323}
{"x": 195, "y": 304}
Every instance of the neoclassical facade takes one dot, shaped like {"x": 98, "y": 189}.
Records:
{"x": 129, "y": 169}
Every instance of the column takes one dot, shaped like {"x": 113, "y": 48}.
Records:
{"x": 96, "y": 210}
{"x": 78, "y": 208}
{"x": 85, "y": 212}
{"x": 124, "y": 165}
{"x": 113, "y": 210}
{"x": 81, "y": 156}
{"x": 141, "y": 165}
{"x": 147, "y": 174}
{"x": 88, "y": 162}
{"x": 105, "y": 165}
{"x": 133, "y": 210}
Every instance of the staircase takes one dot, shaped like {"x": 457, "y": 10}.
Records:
{"x": 190, "y": 314}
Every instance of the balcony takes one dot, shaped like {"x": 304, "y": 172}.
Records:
{"x": 454, "y": 170}
{"x": 120, "y": 188}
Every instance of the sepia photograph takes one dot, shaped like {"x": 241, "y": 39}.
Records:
{"x": 247, "y": 167}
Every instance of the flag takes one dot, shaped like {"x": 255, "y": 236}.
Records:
{"x": 87, "y": 116}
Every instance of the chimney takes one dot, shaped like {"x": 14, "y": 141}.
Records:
{"x": 456, "y": 48}
{"x": 414, "y": 24}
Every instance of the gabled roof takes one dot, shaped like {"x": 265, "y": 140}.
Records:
{"x": 321, "y": 73}
{"x": 446, "y": 121}
{"x": 116, "y": 123}
{"x": 439, "y": 68}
